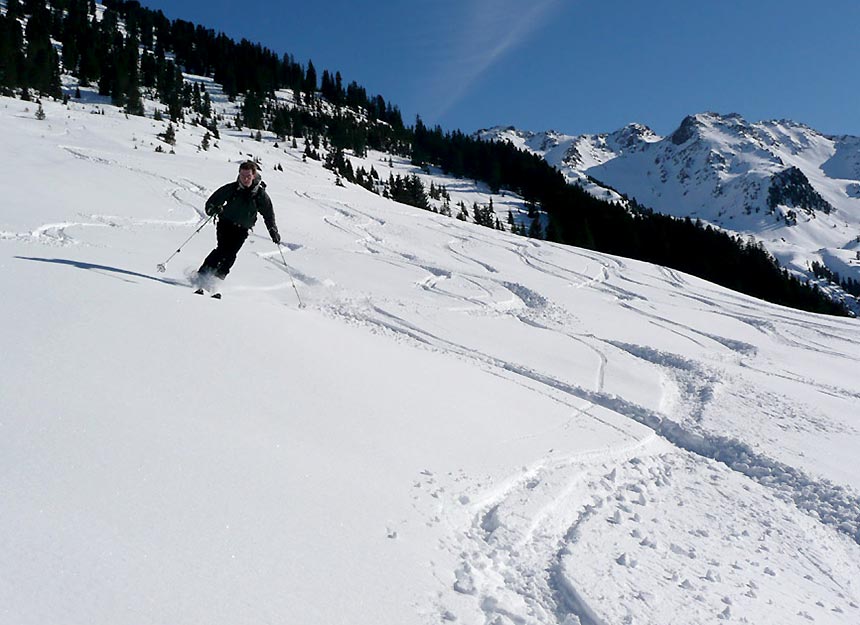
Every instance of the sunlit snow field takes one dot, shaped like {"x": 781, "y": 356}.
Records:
{"x": 461, "y": 425}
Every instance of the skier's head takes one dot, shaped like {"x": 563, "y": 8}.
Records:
{"x": 247, "y": 173}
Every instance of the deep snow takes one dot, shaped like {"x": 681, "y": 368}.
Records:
{"x": 461, "y": 426}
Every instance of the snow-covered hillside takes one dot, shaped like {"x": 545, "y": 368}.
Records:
{"x": 462, "y": 425}
{"x": 791, "y": 187}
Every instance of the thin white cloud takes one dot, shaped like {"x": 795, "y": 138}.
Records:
{"x": 488, "y": 31}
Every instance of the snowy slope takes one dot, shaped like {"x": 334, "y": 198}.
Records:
{"x": 722, "y": 169}
{"x": 461, "y": 426}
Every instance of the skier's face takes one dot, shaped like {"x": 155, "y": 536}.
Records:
{"x": 246, "y": 177}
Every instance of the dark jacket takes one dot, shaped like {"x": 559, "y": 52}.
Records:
{"x": 241, "y": 205}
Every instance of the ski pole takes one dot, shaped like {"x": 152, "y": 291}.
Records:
{"x": 301, "y": 305}
{"x": 161, "y": 266}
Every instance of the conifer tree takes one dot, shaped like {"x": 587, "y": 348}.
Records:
{"x": 196, "y": 98}
{"x": 148, "y": 70}
{"x": 252, "y": 110}
{"x": 133, "y": 101}
{"x": 12, "y": 59}
{"x": 55, "y": 88}
{"x": 131, "y": 82}
{"x": 310, "y": 84}
{"x": 212, "y": 127}
{"x": 173, "y": 93}
{"x": 327, "y": 86}
{"x": 169, "y": 135}
{"x": 359, "y": 143}
{"x": 339, "y": 94}
{"x": 41, "y": 63}
{"x": 89, "y": 62}
{"x": 552, "y": 233}
{"x": 71, "y": 41}
{"x": 280, "y": 126}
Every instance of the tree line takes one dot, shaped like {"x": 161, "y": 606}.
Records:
{"x": 98, "y": 51}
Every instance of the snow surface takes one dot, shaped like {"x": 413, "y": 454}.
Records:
{"x": 461, "y": 426}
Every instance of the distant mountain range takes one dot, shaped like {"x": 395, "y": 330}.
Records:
{"x": 786, "y": 184}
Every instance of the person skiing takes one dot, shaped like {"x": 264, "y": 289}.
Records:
{"x": 235, "y": 207}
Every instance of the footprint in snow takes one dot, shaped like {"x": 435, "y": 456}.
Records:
{"x": 648, "y": 542}
{"x": 464, "y": 583}
{"x": 713, "y": 576}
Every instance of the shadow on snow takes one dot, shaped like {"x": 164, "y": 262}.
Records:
{"x": 102, "y": 269}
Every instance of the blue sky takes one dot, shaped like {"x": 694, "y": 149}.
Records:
{"x": 571, "y": 65}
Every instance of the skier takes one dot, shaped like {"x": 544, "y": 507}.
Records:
{"x": 235, "y": 206}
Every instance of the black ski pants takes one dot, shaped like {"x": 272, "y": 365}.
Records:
{"x": 231, "y": 237}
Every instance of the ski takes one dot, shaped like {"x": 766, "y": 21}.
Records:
{"x": 202, "y": 292}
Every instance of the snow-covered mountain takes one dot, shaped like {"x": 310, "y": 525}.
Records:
{"x": 461, "y": 426}
{"x": 791, "y": 187}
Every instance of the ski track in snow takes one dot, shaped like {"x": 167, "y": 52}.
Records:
{"x": 831, "y": 503}
{"x": 497, "y": 553}
{"x": 55, "y": 234}
{"x": 522, "y": 545}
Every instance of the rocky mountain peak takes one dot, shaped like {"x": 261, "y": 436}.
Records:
{"x": 688, "y": 129}
{"x": 632, "y": 136}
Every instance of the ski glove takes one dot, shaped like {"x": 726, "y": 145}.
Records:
{"x": 212, "y": 210}
{"x": 276, "y": 238}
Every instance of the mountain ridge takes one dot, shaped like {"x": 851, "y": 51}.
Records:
{"x": 789, "y": 186}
